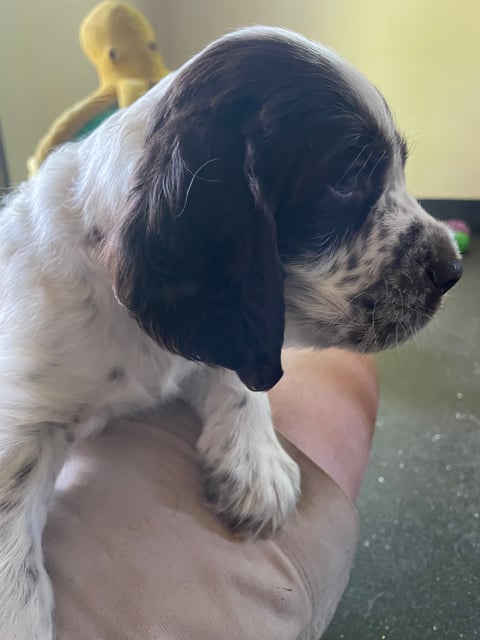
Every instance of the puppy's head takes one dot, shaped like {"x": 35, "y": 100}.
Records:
{"x": 271, "y": 190}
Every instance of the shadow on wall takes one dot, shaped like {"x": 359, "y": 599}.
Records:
{"x": 4, "y": 178}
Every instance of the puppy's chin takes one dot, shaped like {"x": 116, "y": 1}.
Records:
{"x": 361, "y": 332}
{"x": 385, "y": 337}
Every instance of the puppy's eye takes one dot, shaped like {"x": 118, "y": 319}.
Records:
{"x": 347, "y": 185}
{"x": 113, "y": 54}
{"x": 356, "y": 178}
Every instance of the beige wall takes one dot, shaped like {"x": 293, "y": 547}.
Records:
{"x": 423, "y": 54}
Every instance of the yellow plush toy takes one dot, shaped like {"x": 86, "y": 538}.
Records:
{"x": 120, "y": 42}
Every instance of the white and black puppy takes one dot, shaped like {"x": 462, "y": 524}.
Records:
{"x": 252, "y": 199}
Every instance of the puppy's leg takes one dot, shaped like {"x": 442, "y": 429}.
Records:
{"x": 251, "y": 481}
{"x": 30, "y": 459}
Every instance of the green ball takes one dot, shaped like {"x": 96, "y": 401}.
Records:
{"x": 463, "y": 241}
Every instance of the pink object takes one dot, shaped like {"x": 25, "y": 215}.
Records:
{"x": 458, "y": 225}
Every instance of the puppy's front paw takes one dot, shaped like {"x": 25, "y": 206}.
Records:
{"x": 253, "y": 493}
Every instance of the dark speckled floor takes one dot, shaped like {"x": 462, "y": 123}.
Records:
{"x": 417, "y": 572}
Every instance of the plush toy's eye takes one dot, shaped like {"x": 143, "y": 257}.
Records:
{"x": 113, "y": 54}
{"x": 152, "y": 46}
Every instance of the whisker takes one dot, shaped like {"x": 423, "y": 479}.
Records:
{"x": 363, "y": 165}
{"x": 384, "y": 153}
{"x": 197, "y": 177}
{"x": 352, "y": 164}
{"x": 194, "y": 176}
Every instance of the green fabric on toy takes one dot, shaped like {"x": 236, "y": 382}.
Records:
{"x": 95, "y": 122}
{"x": 120, "y": 42}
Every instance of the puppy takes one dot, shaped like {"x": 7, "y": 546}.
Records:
{"x": 255, "y": 198}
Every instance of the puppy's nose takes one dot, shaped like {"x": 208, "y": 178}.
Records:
{"x": 445, "y": 274}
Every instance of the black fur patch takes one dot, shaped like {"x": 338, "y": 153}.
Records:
{"x": 350, "y": 279}
{"x": 222, "y": 491}
{"x": 95, "y": 236}
{"x": 28, "y": 577}
{"x": 367, "y": 304}
{"x": 116, "y": 374}
{"x": 352, "y": 262}
{"x": 382, "y": 233}
{"x": 8, "y": 504}
{"x": 355, "y": 336}
{"x": 24, "y": 472}
{"x": 411, "y": 236}
{"x": 241, "y": 402}
{"x": 398, "y": 256}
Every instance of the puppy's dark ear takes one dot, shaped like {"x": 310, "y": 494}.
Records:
{"x": 195, "y": 260}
